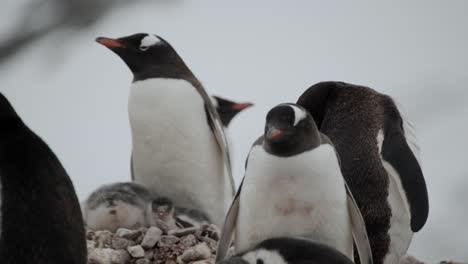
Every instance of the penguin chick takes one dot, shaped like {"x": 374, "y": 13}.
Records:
{"x": 112, "y": 206}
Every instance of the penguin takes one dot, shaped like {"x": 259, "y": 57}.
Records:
{"x": 118, "y": 205}
{"x": 179, "y": 147}
{"x": 227, "y": 109}
{"x": 293, "y": 187}
{"x": 40, "y": 217}
{"x": 380, "y": 161}
{"x": 163, "y": 213}
{"x": 289, "y": 250}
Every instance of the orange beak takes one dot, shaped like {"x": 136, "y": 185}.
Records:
{"x": 241, "y": 106}
{"x": 110, "y": 43}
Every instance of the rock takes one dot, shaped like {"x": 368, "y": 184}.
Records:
{"x": 103, "y": 239}
{"x": 108, "y": 256}
{"x": 136, "y": 251}
{"x": 149, "y": 254}
{"x": 210, "y": 242}
{"x": 206, "y": 261}
{"x": 166, "y": 241}
{"x": 143, "y": 261}
{"x": 198, "y": 252}
{"x": 163, "y": 226}
{"x": 182, "y": 232}
{"x": 128, "y": 234}
{"x": 189, "y": 241}
{"x": 151, "y": 238}
{"x": 121, "y": 243}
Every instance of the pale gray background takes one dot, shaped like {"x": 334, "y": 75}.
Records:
{"x": 73, "y": 92}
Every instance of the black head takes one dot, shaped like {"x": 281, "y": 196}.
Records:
{"x": 290, "y": 130}
{"x": 147, "y": 56}
{"x": 228, "y": 109}
{"x": 6, "y": 109}
{"x": 162, "y": 206}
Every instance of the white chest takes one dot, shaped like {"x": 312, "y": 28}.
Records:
{"x": 302, "y": 195}
{"x": 175, "y": 152}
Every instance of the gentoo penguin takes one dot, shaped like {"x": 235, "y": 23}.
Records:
{"x": 227, "y": 109}
{"x": 293, "y": 187}
{"x": 179, "y": 147}
{"x": 40, "y": 217}
{"x": 123, "y": 204}
{"x": 289, "y": 250}
{"x": 379, "y": 157}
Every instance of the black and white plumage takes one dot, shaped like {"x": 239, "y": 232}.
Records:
{"x": 293, "y": 187}
{"x": 40, "y": 217}
{"x": 123, "y": 204}
{"x": 228, "y": 109}
{"x": 289, "y": 250}
{"x": 179, "y": 147}
{"x": 380, "y": 161}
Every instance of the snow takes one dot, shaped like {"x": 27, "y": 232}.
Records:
{"x": 74, "y": 92}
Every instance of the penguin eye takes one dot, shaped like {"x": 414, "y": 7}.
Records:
{"x": 144, "y": 48}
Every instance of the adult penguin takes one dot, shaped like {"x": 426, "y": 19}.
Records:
{"x": 40, "y": 216}
{"x": 379, "y": 160}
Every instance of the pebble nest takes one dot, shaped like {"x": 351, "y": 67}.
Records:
{"x": 153, "y": 245}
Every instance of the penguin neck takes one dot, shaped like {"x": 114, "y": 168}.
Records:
{"x": 293, "y": 146}
{"x": 166, "y": 70}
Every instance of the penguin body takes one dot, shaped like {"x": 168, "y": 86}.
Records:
{"x": 175, "y": 217}
{"x": 112, "y": 206}
{"x": 179, "y": 147}
{"x": 379, "y": 158}
{"x": 293, "y": 185}
{"x": 289, "y": 250}
{"x": 40, "y": 217}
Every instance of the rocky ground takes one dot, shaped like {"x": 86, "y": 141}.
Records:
{"x": 153, "y": 245}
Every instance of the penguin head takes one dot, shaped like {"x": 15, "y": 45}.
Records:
{"x": 228, "y": 109}
{"x": 162, "y": 207}
{"x": 290, "y": 130}
{"x": 144, "y": 53}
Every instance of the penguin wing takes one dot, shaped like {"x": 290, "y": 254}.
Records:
{"x": 132, "y": 174}
{"x": 359, "y": 230}
{"x": 228, "y": 228}
{"x": 399, "y": 149}
{"x": 216, "y": 124}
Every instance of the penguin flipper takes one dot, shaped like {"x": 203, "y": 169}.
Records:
{"x": 132, "y": 174}
{"x": 396, "y": 150}
{"x": 217, "y": 127}
{"x": 359, "y": 230}
{"x": 228, "y": 228}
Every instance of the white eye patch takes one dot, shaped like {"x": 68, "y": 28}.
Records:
{"x": 148, "y": 41}
{"x": 299, "y": 114}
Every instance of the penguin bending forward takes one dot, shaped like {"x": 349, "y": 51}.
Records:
{"x": 40, "y": 217}
{"x": 293, "y": 187}
{"x": 289, "y": 250}
{"x": 379, "y": 160}
{"x": 179, "y": 147}
{"x": 227, "y": 109}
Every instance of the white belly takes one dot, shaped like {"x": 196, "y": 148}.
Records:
{"x": 175, "y": 153}
{"x": 302, "y": 195}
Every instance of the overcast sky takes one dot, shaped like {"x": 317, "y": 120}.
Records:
{"x": 73, "y": 92}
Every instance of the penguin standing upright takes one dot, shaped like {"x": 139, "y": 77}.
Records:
{"x": 179, "y": 147}
{"x": 40, "y": 217}
{"x": 289, "y": 250}
{"x": 379, "y": 157}
{"x": 293, "y": 187}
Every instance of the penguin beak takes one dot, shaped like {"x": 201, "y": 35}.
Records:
{"x": 274, "y": 133}
{"x": 240, "y": 107}
{"x": 110, "y": 43}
